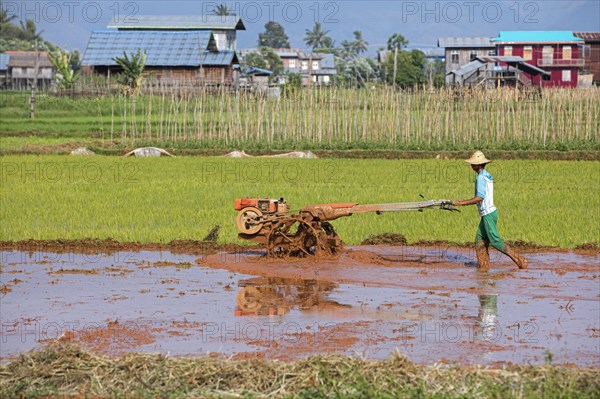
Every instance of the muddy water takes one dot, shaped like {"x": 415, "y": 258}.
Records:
{"x": 428, "y": 303}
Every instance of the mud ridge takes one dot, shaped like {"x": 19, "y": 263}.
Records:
{"x": 92, "y": 245}
{"x": 109, "y": 245}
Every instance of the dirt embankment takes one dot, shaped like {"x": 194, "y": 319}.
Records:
{"x": 116, "y": 149}
{"x": 197, "y": 247}
{"x": 91, "y": 245}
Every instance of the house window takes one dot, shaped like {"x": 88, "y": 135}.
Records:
{"x": 567, "y": 52}
{"x": 292, "y": 64}
{"x": 508, "y": 50}
{"x": 566, "y": 75}
{"x": 315, "y": 65}
{"x": 492, "y": 53}
{"x": 314, "y": 78}
{"x": 587, "y": 51}
{"x": 304, "y": 65}
{"x": 325, "y": 79}
{"x": 473, "y": 55}
{"x": 454, "y": 57}
{"x": 547, "y": 54}
{"x": 528, "y": 53}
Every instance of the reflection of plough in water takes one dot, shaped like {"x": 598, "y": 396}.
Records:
{"x": 270, "y": 296}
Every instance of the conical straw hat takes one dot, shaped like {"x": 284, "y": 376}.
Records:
{"x": 477, "y": 158}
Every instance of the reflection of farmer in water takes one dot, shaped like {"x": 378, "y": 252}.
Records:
{"x": 488, "y": 309}
{"x": 487, "y": 232}
{"x": 488, "y": 315}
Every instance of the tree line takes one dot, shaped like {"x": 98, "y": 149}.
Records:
{"x": 397, "y": 65}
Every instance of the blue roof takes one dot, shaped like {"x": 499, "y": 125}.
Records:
{"x": 178, "y": 22}
{"x": 163, "y": 48}
{"x": 223, "y": 57}
{"x": 4, "y": 58}
{"x": 252, "y": 71}
{"x": 539, "y": 36}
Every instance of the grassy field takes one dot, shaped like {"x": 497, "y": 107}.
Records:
{"x": 338, "y": 119}
{"x": 551, "y": 203}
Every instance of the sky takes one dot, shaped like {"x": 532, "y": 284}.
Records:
{"x": 69, "y": 23}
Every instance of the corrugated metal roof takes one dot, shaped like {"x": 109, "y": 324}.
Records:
{"x": 162, "y": 48}
{"x": 287, "y": 53}
{"x": 4, "y": 61}
{"x": 514, "y": 61}
{"x": 588, "y": 36}
{"x": 468, "y": 68}
{"x": 258, "y": 71}
{"x": 458, "y": 42}
{"x": 536, "y": 36}
{"x": 500, "y": 58}
{"x": 218, "y": 58}
{"x": 178, "y": 22}
{"x": 310, "y": 56}
{"x": 28, "y": 60}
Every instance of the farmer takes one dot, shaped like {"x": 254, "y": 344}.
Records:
{"x": 487, "y": 232}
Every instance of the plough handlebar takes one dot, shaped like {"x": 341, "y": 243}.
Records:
{"x": 405, "y": 206}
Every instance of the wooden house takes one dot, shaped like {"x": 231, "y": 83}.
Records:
{"x": 22, "y": 67}
{"x": 591, "y": 53}
{"x": 314, "y": 68}
{"x": 182, "y": 58}
{"x": 459, "y": 51}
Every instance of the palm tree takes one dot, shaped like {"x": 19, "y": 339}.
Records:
{"x": 133, "y": 67}
{"x": 347, "y": 50}
{"x": 316, "y": 37}
{"x": 4, "y": 17}
{"x": 396, "y": 41}
{"x": 222, "y": 10}
{"x": 29, "y": 31}
{"x": 359, "y": 44}
{"x": 7, "y": 28}
{"x": 328, "y": 43}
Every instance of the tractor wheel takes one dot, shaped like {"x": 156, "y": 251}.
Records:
{"x": 248, "y": 299}
{"x": 329, "y": 238}
{"x": 247, "y": 220}
{"x": 293, "y": 237}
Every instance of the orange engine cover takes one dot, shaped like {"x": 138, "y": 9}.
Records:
{"x": 265, "y": 205}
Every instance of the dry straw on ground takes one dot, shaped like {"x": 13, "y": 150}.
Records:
{"x": 68, "y": 370}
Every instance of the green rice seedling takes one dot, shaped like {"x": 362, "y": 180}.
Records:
{"x": 164, "y": 199}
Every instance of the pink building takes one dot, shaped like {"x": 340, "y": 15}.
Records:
{"x": 557, "y": 52}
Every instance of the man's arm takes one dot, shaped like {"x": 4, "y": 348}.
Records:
{"x": 472, "y": 201}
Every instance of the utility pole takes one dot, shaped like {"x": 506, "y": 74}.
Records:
{"x": 36, "y": 68}
{"x": 395, "y": 64}
{"x": 310, "y": 69}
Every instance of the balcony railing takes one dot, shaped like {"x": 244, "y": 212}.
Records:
{"x": 549, "y": 62}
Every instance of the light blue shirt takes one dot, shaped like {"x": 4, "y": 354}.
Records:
{"x": 484, "y": 188}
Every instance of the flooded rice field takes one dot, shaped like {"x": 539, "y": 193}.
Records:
{"x": 431, "y": 304}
